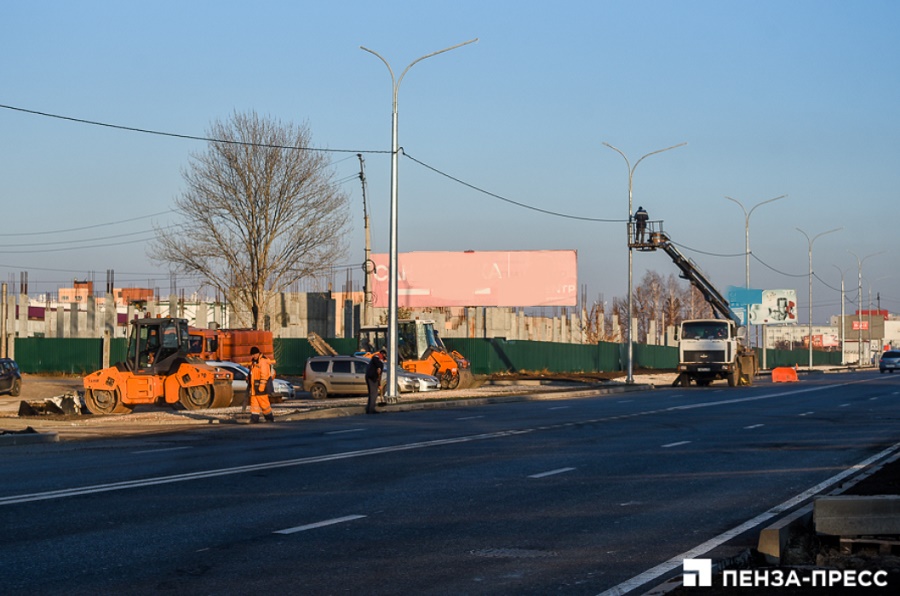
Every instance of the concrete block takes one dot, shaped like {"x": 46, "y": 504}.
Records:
{"x": 850, "y": 515}
{"x": 774, "y": 538}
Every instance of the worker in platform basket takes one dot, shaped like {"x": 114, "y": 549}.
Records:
{"x": 260, "y": 372}
{"x": 640, "y": 218}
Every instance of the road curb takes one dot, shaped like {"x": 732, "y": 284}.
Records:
{"x": 542, "y": 393}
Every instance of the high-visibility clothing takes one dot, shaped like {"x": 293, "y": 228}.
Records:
{"x": 261, "y": 370}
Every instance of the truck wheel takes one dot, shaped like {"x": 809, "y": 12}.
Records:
{"x": 104, "y": 401}
{"x": 199, "y": 397}
{"x": 318, "y": 391}
{"x": 733, "y": 378}
{"x": 685, "y": 381}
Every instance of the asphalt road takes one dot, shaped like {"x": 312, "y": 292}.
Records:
{"x": 573, "y": 496}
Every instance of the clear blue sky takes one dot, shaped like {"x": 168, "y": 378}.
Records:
{"x": 799, "y": 98}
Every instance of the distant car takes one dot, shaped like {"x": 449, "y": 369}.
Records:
{"x": 890, "y": 361}
{"x": 424, "y": 382}
{"x": 10, "y": 377}
{"x": 346, "y": 375}
{"x": 240, "y": 373}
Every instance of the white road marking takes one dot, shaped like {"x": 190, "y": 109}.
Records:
{"x": 160, "y": 450}
{"x": 551, "y": 473}
{"x": 666, "y": 446}
{"x": 470, "y": 417}
{"x": 288, "y": 463}
{"x": 843, "y": 405}
{"x": 807, "y": 413}
{"x": 274, "y": 465}
{"x": 753, "y": 426}
{"x": 321, "y": 524}
{"x": 349, "y": 430}
{"x": 874, "y": 398}
{"x": 559, "y": 408}
{"x": 675, "y": 562}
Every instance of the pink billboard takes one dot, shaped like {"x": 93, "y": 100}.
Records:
{"x": 480, "y": 278}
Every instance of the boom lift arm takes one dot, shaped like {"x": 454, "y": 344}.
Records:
{"x": 693, "y": 274}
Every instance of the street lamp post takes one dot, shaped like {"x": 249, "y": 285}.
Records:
{"x": 747, "y": 215}
{"x": 630, "y": 378}
{"x": 859, "y": 264}
{"x": 842, "y": 334}
{"x": 391, "y": 389}
{"x": 810, "y": 243}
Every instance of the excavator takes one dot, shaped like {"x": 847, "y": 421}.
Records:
{"x": 158, "y": 369}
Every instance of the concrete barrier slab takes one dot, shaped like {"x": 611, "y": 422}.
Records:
{"x": 774, "y": 538}
{"x": 851, "y": 515}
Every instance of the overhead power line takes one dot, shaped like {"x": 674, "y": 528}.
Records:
{"x": 182, "y": 136}
{"x": 91, "y": 227}
{"x": 502, "y": 198}
{"x": 271, "y": 146}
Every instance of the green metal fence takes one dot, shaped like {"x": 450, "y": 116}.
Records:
{"x": 63, "y": 355}
{"x": 488, "y": 356}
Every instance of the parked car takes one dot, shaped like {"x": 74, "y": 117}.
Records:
{"x": 240, "y": 373}
{"x": 346, "y": 375}
{"x": 889, "y": 361}
{"x": 424, "y": 382}
{"x": 10, "y": 377}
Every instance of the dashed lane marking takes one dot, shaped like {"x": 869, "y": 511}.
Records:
{"x": 321, "y": 524}
{"x": 678, "y": 444}
{"x": 347, "y": 430}
{"x": 302, "y": 461}
{"x": 753, "y": 426}
{"x": 552, "y": 473}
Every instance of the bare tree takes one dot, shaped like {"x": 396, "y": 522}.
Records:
{"x": 260, "y": 212}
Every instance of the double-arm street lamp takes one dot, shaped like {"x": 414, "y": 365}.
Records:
{"x": 810, "y": 242}
{"x": 859, "y": 264}
{"x": 391, "y": 390}
{"x": 747, "y": 215}
{"x": 630, "y": 378}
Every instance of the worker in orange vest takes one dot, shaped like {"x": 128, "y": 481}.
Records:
{"x": 260, "y": 372}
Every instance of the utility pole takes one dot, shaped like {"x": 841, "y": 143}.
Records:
{"x": 368, "y": 265}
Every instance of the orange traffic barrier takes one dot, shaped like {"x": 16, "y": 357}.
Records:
{"x": 784, "y": 374}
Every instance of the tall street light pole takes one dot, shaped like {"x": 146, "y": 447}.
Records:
{"x": 859, "y": 264}
{"x": 810, "y": 243}
{"x": 843, "y": 353}
{"x": 747, "y": 215}
{"x": 393, "y": 258}
{"x": 630, "y": 378}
